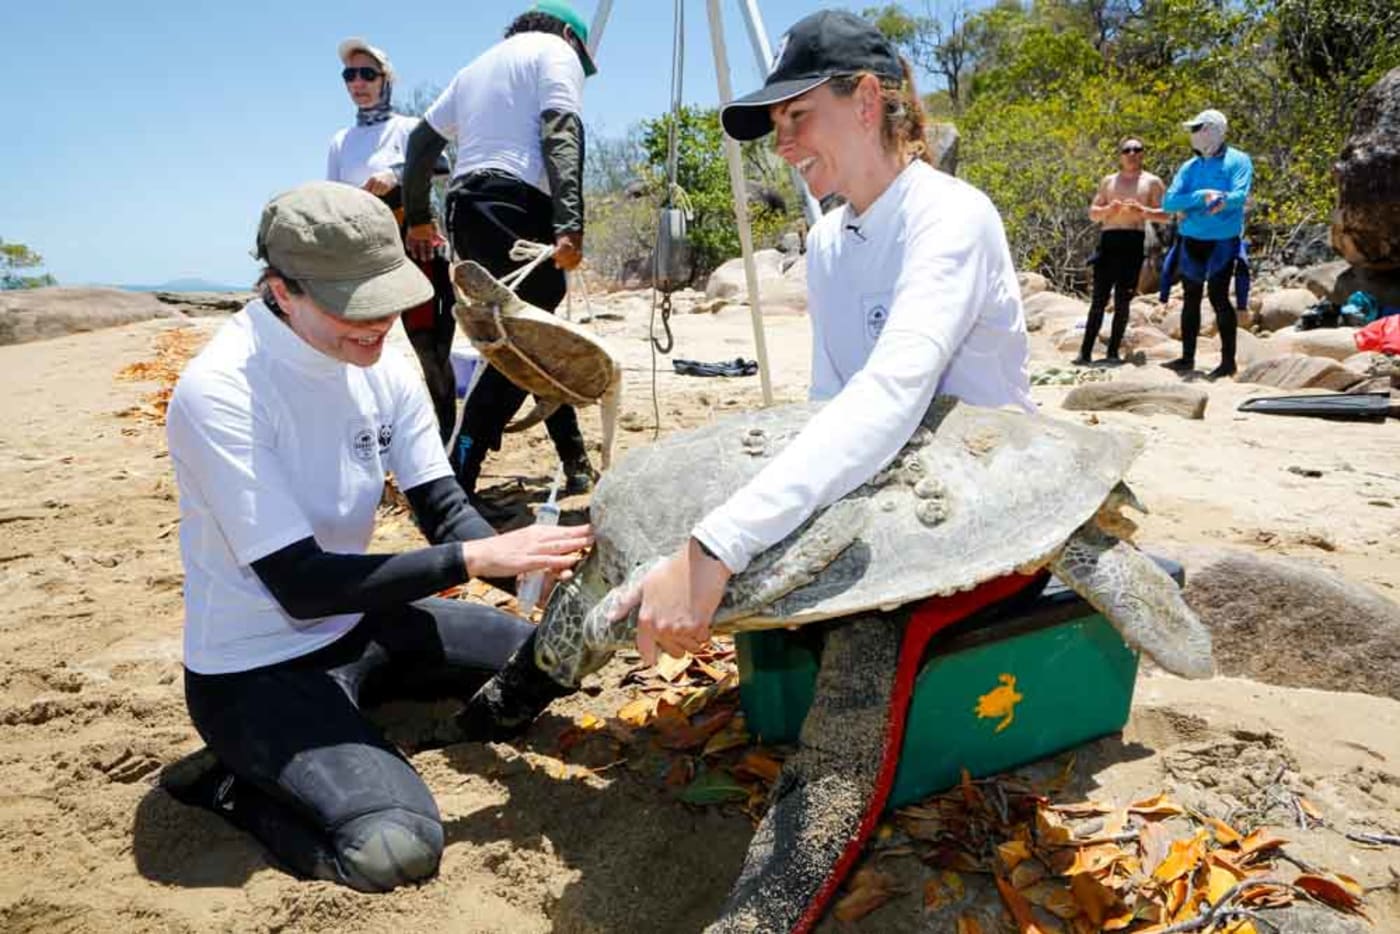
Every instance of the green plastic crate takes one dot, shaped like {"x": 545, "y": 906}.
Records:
{"x": 1011, "y": 685}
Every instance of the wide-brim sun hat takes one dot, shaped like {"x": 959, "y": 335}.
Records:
{"x": 1206, "y": 118}
{"x": 561, "y": 10}
{"x": 341, "y": 245}
{"x": 349, "y": 47}
{"x": 816, "y": 49}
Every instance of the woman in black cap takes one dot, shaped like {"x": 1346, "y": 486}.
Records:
{"x": 911, "y": 292}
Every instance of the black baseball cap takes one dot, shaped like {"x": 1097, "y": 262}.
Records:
{"x": 815, "y": 50}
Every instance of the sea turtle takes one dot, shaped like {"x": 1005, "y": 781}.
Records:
{"x": 974, "y": 495}
{"x": 554, "y": 360}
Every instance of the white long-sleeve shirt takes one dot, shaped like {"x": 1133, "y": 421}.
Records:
{"x": 357, "y": 152}
{"x": 918, "y": 295}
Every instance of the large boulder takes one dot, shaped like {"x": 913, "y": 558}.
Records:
{"x": 1297, "y": 371}
{"x": 778, "y": 290}
{"x": 1321, "y": 279}
{"x": 1139, "y": 398}
{"x": 1289, "y": 622}
{"x": 1031, "y": 283}
{"x": 206, "y": 304}
{"x": 1366, "y": 223}
{"x": 1250, "y": 349}
{"x": 1337, "y": 343}
{"x": 1053, "y": 304}
{"x": 1171, "y": 322}
{"x": 36, "y": 314}
{"x": 1384, "y": 285}
{"x": 1282, "y": 309}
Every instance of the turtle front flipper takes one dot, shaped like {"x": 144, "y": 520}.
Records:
{"x": 1139, "y": 598}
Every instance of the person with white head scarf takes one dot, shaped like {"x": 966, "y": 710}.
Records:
{"x": 1209, "y": 191}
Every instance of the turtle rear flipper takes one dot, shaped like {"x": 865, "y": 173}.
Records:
{"x": 1140, "y": 599}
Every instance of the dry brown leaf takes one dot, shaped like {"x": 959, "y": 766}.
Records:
{"x": 1097, "y": 902}
{"x": 1225, "y": 835}
{"x": 1341, "y": 892}
{"x": 1182, "y": 858}
{"x": 760, "y": 765}
{"x": 1053, "y": 897}
{"x": 1013, "y": 853}
{"x": 1094, "y": 859}
{"x": 869, "y": 889}
{"x": 1154, "y": 842}
{"x": 1027, "y": 873}
{"x": 967, "y": 924}
{"x": 671, "y": 667}
{"x": 680, "y": 773}
{"x": 590, "y": 722}
{"x": 1309, "y": 809}
{"x": 732, "y": 736}
{"x": 1018, "y": 906}
{"x": 1260, "y": 841}
{"x": 1082, "y": 809}
{"x": 1051, "y": 828}
{"x": 639, "y": 712}
{"x": 942, "y": 890}
{"x": 1156, "y": 807}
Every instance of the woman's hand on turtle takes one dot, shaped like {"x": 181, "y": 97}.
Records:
{"x": 381, "y": 183}
{"x": 533, "y": 548}
{"x": 678, "y": 599}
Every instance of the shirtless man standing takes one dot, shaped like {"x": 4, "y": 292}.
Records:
{"x": 1124, "y": 203}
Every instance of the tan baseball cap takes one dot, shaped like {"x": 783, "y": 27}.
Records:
{"x": 341, "y": 244}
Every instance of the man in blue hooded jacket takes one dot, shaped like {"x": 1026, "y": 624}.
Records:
{"x": 1209, "y": 191}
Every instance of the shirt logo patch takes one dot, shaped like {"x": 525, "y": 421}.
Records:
{"x": 875, "y": 318}
{"x": 386, "y": 437}
{"x": 363, "y": 444}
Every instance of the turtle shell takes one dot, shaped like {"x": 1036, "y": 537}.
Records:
{"x": 548, "y": 357}
{"x": 977, "y": 493}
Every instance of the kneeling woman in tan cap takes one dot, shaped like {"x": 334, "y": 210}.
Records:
{"x": 282, "y": 431}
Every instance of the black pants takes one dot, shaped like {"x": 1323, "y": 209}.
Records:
{"x": 318, "y": 784}
{"x": 1116, "y": 270}
{"x": 487, "y": 212}
{"x": 1218, "y": 288}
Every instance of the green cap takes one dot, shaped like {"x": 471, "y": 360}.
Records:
{"x": 563, "y": 10}
{"x": 341, "y": 244}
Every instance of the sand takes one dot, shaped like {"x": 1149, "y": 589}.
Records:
{"x": 91, "y": 703}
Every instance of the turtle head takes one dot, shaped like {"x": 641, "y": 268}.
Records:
{"x": 559, "y": 648}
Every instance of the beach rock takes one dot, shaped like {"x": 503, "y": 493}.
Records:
{"x": 1289, "y": 277}
{"x": 1250, "y": 348}
{"x": 1374, "y": 384}
{"x": 1282, "y": 309}
{"x": 37, "y": 314}
{"x": 1373, "y": 363}
{"x": 1297, "y": 371}
{"x": 206, "y": 304}
{"x": 1336, "y": 343}
{"x": 1384, "y": 285}
{"x": 778, "y": 291}
{"x": 1032, "y": 283}
{"x": 1366, "y": 222}
{"x": 1290, "y": 622}
{"x": 1321, "y": 279}
{"x": 1141, "y": 337}
{"x": 1053, "y": 303}
{"x": 1171, "y": 322}
{"x": 1139, "y": 398}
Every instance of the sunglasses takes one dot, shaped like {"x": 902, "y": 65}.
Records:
{"x": 364, "y": 74}
{"x": 1128, "y": 149}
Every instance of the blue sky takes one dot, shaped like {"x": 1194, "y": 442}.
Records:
{"x": 144, "y": 137}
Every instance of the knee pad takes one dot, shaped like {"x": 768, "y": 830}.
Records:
{"x": 386, "y": 849}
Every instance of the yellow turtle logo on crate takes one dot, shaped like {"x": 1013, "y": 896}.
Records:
{"x": 1000, "y": 702}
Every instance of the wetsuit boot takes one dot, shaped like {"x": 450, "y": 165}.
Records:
{"x": 509, "y": 702}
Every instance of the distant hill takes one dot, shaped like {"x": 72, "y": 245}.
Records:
{"x": 186, "y": 285}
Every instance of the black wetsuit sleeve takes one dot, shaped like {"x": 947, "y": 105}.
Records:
{"x": 444, "y": 514}
{"x": 561, "y": 139}
{"x": 310, "y": 583}
{"x": 424, "y": 146}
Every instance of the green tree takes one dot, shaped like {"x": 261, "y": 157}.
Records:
{"x": 15, "y": 257}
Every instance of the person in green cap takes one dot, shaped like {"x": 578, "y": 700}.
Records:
{"x": 281, "y": 432}
{"x": 515, "y": 113}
